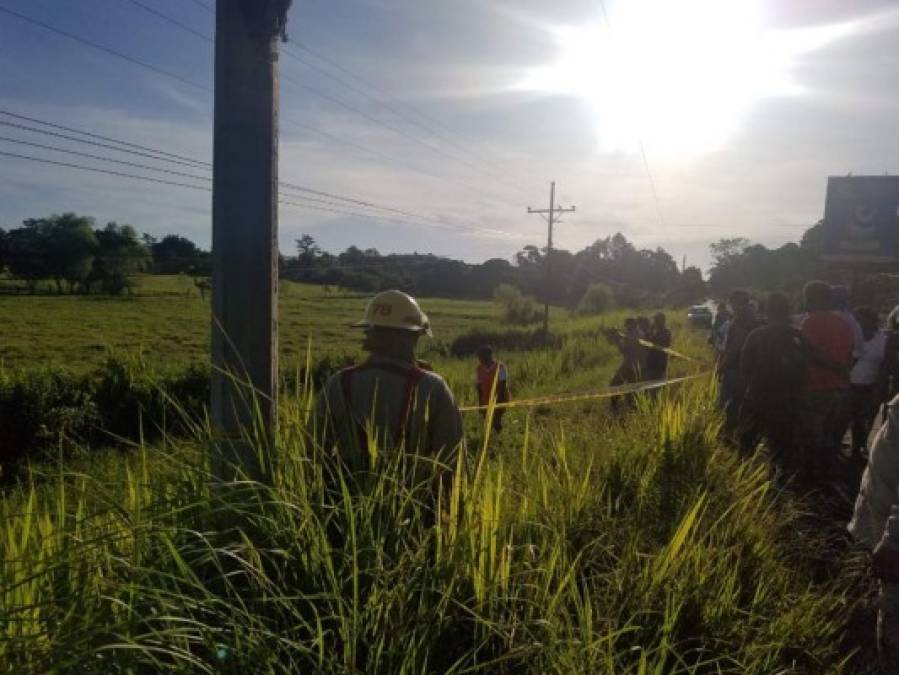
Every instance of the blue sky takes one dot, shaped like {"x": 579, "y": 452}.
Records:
{"x": 495, "y": 81}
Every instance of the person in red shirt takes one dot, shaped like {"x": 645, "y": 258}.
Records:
{"x": 826, "y": 405}
{"x": 492, "y": 379}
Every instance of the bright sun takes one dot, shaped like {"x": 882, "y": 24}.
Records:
{"x": 678, "y": 76}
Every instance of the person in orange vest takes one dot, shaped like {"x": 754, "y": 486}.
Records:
{"x": 489, "y": 371}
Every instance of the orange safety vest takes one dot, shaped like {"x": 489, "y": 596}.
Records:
{"x": 486, "y": 376}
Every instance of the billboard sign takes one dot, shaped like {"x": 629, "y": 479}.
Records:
{"x": 861, "y": 219}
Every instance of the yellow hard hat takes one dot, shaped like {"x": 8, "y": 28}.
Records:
{"x": 395, "y": 309}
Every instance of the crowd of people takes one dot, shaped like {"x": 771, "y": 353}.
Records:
{"x": 801, "y": 380}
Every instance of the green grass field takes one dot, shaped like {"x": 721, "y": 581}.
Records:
{"x": 167, "y": 320}
{"x": 575, "y": 543}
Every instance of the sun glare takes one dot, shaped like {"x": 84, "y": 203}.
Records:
{"x": 678, "y": 76}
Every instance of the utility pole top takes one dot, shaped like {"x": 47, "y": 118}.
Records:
{"x": 266, "y": 19}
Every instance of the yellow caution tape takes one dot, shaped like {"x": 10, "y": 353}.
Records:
{"x": 667, "y": 350}
{"x": 608, "y": 392}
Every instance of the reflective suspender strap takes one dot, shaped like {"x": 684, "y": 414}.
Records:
{"x": 346, "y": 385}
{"x": 412, "y": 375}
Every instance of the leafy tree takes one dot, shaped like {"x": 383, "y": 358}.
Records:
{"x": 67, "y": 244}
{"x": 174, "y": 254}
{"x": 307, "y": 250}
{"x": 725, "y": 251}
{"x": 27, "y": 255}
{"x": 353, "y": 255}
{"x": 689, "y": 290}
{"x": 121, "y": 255}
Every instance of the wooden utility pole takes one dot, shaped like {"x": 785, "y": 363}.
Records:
{"x": 550, "y": 216}
{"x": 245, "y": 231}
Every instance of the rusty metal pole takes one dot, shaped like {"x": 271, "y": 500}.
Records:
{"x": 245, "y": 234}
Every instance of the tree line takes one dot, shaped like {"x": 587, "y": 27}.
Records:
{"x": 629, "y": 276}
{"x": 73, "y": 254}
{"x": 739, "y": 263}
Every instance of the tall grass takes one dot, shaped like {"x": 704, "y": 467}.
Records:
{"x": 632, "y": 547}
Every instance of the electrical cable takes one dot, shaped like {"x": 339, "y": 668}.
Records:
{"x": 176, "y": 77}
{"x": 374, "y": 120}
{"x": 649, "y": 175}
{"x": 198, "y": 163}
{"x": 171, "y": 20}
{"x": 75, "y": 139}
{"x": 377, "y": 99}
{"x": 161, "y": 181}
{"x": 88, "y": 155}
{"x": 104, "y": 49}
{"x": 102, "y": 138}
{"x": 389, "y": 106}
{"x": 336, "y": 101}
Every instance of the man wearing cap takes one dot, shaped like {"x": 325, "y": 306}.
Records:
{"x": 390, "y": 399}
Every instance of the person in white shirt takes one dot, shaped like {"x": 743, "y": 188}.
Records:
{"x": 866, "y": 378}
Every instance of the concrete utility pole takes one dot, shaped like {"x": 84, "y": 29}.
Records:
{"x": 245, "y": 229}
{"x": 550, "y": 216}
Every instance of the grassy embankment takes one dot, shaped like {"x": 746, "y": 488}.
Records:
{"x": 576, "y": 544}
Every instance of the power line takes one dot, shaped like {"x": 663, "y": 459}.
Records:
{"x": 374, "y": 120}
{"x": 103, "y": 138}
{"x": 147, "y": 167}
{"x": 334, "y": 100}
{"x": 445, "y": 135}
{"x": 377, "y": 99}
{"x": 196, "y": 163}
{"x": 386, "y": 104}
{"x": 171, "y": 20}
{"x": 121, "y": 174}
{"x": 108, "y": 172}
{"x": 176, "y": 77}
{"x": 154, "y": 69}
{"x": 88, "y": 155}
{"x": 652, "y": 182}
{"x": 75, "y": 139}
{"x": 376, "y": 153}
{"x": 106, "y": 50}
{"x": 202, "y": 4}
{"x": 405, "y": 264}
{"x": 350, "y": 200}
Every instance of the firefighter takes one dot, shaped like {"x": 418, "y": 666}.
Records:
{"x": 390, "y": 401}
{"x": 492, "y": 377}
